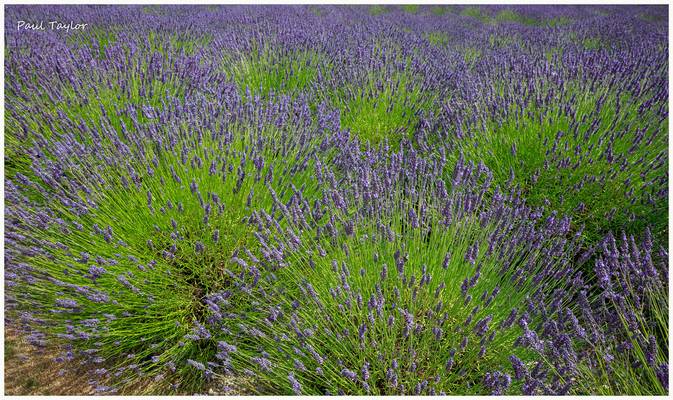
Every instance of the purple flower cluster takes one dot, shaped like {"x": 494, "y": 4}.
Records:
{"x": 617, "y": 325}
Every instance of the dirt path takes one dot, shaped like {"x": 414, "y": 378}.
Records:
{"x": 33, "y": 371}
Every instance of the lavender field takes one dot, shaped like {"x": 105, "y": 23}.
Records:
{"x": 341, "y": 200}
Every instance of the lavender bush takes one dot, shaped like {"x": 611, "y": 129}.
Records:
{"x": 609, "y": 336}
{"x": 129, "y": 236}
{"x": 341, "y": 200}
{"x": 419, "y": 294}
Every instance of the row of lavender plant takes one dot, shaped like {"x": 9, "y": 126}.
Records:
{"x": 502, "y": 307}
{"x": 116, "y": 240}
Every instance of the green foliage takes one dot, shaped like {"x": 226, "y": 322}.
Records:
{"x": 16, "y": 158}
{"x": 502, "y": 17}
{"x": 596, "y": 187}
{"x": 176, "y": 43}
{"x": 592, "y": 43}
{"x": 153, "y": 10}
{"x": 554, "y": 53}
{"x": 558, "y": 21}
{"x": 10, "y": 349}
{"x": 475, "y": 12}
{"x": 263, "y": 70}
{"x": 189, "y": 45}
{"x": 379, "y": 110}
{"x": 315, "y": 10}
{"x": 378, "y": 9}
{"x": 629, "y": 371}
{"x": 441, "y": 10}
{"x": 498, "y": 41}
{"x": 437, "y": 38}
{"x": 471, "y": 55}
{"x": 30, "y": 384}
{"x": 410, "y": 8}
{"x": 91, "y": 103}
{"x": 512, "y": 16}
{"x": 96, "y": 38}
{"x": 652, "y": 17}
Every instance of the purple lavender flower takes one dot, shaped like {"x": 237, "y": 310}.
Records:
{"x": 296, "y": 387}
{"x": 520, "y": 370}
{"x": 347, "y": 373}
{"x": 497, "y": 382}
{"x": 662, "y": 374}
{"x": 365, "y": 371}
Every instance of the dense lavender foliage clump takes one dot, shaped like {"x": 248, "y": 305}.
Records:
{"x": 422, "y": 292}
{"x": 122, "y": 235}
{"x": 412, "y": 200}
{"x": 613, "y": 329}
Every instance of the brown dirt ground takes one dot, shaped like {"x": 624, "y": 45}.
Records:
{"x": 32, "y": 371}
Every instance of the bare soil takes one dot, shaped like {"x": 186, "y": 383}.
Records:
{"x": 32, "y": 371}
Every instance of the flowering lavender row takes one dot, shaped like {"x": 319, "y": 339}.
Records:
{"x": 141, "y": 228}
{"x": 420, "y": 299}
{"x": 612, "y": 330}
{"x": 590, "y": 123}
{"x": 414, "y": 200}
